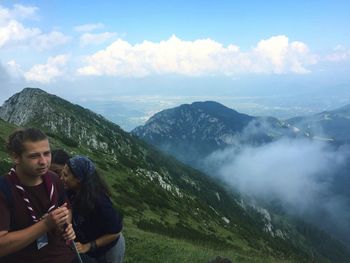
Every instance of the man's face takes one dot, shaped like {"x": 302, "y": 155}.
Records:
{"x": 35, "y": 159}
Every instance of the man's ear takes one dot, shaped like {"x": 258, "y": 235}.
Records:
{"x": 16, "y": 158}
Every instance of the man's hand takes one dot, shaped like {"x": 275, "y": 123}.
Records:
{"x": 58, "y": 217}
{"x": 68, "y": 232}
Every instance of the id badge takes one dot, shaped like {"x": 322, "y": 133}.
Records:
{"x": 42, "y": 241}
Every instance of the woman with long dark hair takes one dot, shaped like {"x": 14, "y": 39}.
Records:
{"x": 97, "y": 224}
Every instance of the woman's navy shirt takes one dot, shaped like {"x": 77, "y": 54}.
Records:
{"x": 104, "y": 219}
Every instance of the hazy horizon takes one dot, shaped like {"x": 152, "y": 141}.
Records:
{"x": 276, "y": 58}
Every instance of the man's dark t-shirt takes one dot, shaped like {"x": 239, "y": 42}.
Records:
{"x": 16, "y": 217}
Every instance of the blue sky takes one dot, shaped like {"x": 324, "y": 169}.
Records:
{"x": 88, "y": 50}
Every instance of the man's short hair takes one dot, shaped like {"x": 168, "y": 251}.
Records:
{"x": 59, "y": 156}
{"x": 18, "y": 137}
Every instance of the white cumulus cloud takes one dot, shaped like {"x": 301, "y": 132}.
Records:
{"x": 24, "y": 12}
{"x": 339, "y": 54}
{"x": 15, "y": 34}
{"x": 52, "y": 39}
{"x": 278, "y": 55}
{"x": 88, "y": 27}
{"x": 18, "y": 12}
{"x": 95, "y": 39}
{"x": 46, "y": 73}
{"x": 14, "y": 69}
{"x": 199, "y": 57}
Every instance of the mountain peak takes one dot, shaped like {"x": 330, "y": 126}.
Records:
{"x": 211, "y": 105}
{"x": 192, "y": 131}
{"x": 22, "y": 106}
{"x": 203, "y": 109}
{"x": 30, "y": 89}
{"x": 209, "y": 124}
{"x": 74, "y": 124}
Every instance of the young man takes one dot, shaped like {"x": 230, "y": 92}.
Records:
{"x": 59, "y": 158}
{"x": 35, "y": 221}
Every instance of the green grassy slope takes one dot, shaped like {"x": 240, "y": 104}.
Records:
{"x": 172, "y": 212}
{"x": 152, "y": 228}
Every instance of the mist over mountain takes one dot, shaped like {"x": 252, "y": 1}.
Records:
{"x": 302, "y": 176}
{"x": 295, "y": 164}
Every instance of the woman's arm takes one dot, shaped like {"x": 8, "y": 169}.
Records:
{"x": 99, "y": 242}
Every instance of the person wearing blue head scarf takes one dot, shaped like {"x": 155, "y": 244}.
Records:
{"x": 97, "y": 224}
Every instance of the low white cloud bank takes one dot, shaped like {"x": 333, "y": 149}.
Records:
{"x": 46, "y": 73}
{"x": 303, "y": 176}
{"x": 200, "y": 57}
{"x": 14, "y": 33}
{"x": 290, "y": 170}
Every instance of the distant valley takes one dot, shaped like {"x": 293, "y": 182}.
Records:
{"x": 132, "y": 111}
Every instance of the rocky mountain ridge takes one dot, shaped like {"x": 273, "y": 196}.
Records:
{"x": 193, "y": 131}
{"x": 37, "y": 108}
